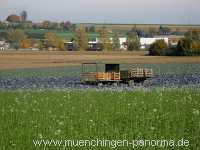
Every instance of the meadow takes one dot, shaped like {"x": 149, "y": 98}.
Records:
{"x": 158, "y": 113}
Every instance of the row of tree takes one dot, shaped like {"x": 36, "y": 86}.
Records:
{"x": 20, "y": 39}
{"x": 188, "y": 46}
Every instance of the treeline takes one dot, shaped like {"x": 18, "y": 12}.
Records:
{"x": 188, "y": 46}
{"x": 106, "y": 40}
{"x": 15, "y": 21}
{"x": 21, "y": 21}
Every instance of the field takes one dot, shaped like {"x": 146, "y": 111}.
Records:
{"x": 28, "y": 59}
{"x": 42, "y": 100}
{"x": 123, "y": 28}
{"x": 89, "y": 114}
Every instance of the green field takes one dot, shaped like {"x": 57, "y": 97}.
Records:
{"x": 89, "y": 114}
{"x": 63, "y": 34}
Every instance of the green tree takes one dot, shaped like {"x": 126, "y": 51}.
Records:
{"x": 158, "y": 48}
{"x": 133, "y": 41}
{"x": 105, "y": 39}
{"x": 41, "y": 45}
{"x": 81, "y": 38}
{"x": 190, "y": 45}
{"x": 116, "y": 42}
{"x": 15, "y": 37}
{"x": 3, "y": 25}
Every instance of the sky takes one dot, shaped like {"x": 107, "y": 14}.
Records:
{"x": 106, "y": 11}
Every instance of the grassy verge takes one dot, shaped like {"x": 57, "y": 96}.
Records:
{"x": 155, "y": 114}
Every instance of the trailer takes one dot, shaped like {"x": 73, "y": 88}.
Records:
{"x": 113, "y": 75}
{"x": 136, "y": 75}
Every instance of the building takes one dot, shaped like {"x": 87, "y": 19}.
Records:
{"x": 94, "y": 45}
{"x": 4, "y": 45}
{"x": 70, "y": 46}
{"x": 146, "y": 42}
{"x": 123, "y": 43}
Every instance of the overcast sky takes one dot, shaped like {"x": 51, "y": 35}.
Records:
{"x": 106, "y": 11}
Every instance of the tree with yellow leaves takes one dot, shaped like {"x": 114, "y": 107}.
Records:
{"x": 81, "y": 38}
{"x": 52, "y": 40}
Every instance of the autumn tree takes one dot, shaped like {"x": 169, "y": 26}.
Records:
{"x": 81, "y": 38}
{"x": 15, "y": 37}
{"x": 26, "y": 43}
{"x": 52, "y": 40}
{"x": 105, "y": 39}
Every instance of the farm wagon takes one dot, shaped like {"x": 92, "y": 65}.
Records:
{"x": 113, "y": 75}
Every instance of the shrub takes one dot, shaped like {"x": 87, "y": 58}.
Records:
{"x": 158, "y": 48}
{"x": 189, "y": 47}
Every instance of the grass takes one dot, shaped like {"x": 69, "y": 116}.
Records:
{"x": 155, "y": 114}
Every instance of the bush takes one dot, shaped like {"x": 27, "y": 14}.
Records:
{"x": 158, "y": 48}
{"x": 189, "y": 47}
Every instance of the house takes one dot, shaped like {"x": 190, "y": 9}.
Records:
{"x": 70, "y": 46}
{"x": 123, "y": 43}
{"x": 94, "y": 45}
{"x": 4, "y": 45}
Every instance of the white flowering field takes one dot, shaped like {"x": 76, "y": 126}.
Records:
{"x": 160, "y": 113}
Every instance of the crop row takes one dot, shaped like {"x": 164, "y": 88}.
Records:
{"x": 75, "y": 82}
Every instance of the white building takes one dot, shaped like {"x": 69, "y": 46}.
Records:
{"x": 4, "y": 45}
{"x": 146, "y": 42}
{"x": 123, "y": 41}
